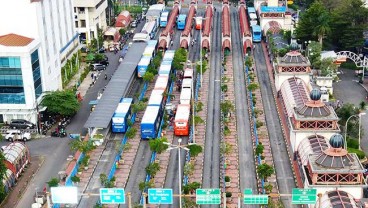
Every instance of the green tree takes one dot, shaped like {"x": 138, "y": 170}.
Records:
{"x": 180, "y": 58}
{"x": 345, "y": 112}
{"x": 225, "y": 148}
{"x": 53, "y": 182}
{"x": 198, "y": 120}
{"x": 148, "y": 77}
{"x": 259, "y": 149}
{"x": 139, "y": 106}
{"x": 191, "y": 187}
{"x": 349, "y": 20}
{"x": 3, "y": 169}
{"x": 152, "y": 169}
{"x": 194, "y": 150}
{"x": 265, "y": 170}
{"x": 313, "y": 23}
{"x": 145, "y": 185}
{"x": 82, "y": 146}
{"x": 314, "y": 53}
{"x": 327, "y": 67}
{"x": 64, "y": 102}
{"x": 122, "y": 31}
{"x": 226, "y": 107}
{"x": 157, "y": 145}
{"x": 131, "y": 133}
{"x": 252, "y": 87}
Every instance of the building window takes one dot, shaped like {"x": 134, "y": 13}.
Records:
{"x": 37, "y": 82}
{"x": 83, "y": 23}
{"x": 76, "y": 24}
{"x": 75, "y": 9}
{"x": 11, "y": 81}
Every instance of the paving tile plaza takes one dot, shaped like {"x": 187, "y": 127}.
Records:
{"x": 232, "y": 166}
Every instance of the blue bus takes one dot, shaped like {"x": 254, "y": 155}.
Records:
{"x": 182, "y": 19}
{"x": 143, "y": 65}
{"x": 163, "y": 19}
{"x": 119, "y": 121}
{"x": 252, "y": 15}
{"x": 150, "y": 123}
{"x": 256, "y": 33}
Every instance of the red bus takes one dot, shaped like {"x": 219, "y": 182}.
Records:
{"x": 198, "y": 23}
{"x": 181, "y": 122}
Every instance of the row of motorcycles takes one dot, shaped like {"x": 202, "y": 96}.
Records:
{"x": 60, "y": 130}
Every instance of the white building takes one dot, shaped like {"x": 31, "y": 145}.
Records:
{"x": 36, "y": 37}
{"x": 88, "y": 16}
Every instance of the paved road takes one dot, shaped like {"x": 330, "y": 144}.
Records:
{"x": 245, "y": 145}
{"x": 349, "y": 91}
{"x": 56, "y": 150}
{"x": 211, "y": 165}
{"x": 284, "y": 174}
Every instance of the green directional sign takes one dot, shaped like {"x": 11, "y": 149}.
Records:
{"x": 248, "y": 192}
{"x": 304, "y": 196}
{"x": 208, "y": 196}
{"x": 255, "y": 199}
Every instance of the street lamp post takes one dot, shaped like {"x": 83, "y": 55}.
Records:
{"x": 179, "y": 146}
{"x": 346, "y": 128}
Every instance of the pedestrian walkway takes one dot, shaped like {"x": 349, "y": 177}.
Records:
{"x": 232, "y": 159}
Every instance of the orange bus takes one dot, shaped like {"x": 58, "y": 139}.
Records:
{"x": 181, "y": 122}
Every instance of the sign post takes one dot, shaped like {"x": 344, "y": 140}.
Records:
{"x": 160, "y": 196}
{"x": 208, "y": 196}
{"x": 304, "y": 196}
{"x": 112, "y": 196}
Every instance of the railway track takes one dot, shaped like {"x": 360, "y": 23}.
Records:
{"x": 211, "y": 169}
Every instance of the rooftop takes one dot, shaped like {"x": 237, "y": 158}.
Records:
{"x": 15, "y": 40}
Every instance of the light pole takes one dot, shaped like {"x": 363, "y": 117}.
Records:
{"x": 346, "y": 127}
{"x": 172, "y": 146}
{"x": 200, "y": 49}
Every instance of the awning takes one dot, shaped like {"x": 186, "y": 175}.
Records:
{"x": 206, "y": 44}
{"x": 162, "y": 44}
{"x": 184, "y": 44}
{"x": 247, "y": 46}
{"x": 226, "y": 44}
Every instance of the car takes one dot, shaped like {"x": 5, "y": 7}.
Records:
{"x": 17, "y": 135}
{"x": 98, "y": 67}
{"x": 134, "y": 24}
{"x": 103, "y": 62}
{"x": 21, "y": 124}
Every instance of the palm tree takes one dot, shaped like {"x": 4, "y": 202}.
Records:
{"x": 322, "y": 27}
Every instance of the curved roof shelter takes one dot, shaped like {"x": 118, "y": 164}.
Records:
{"x": 315, "y": 144}
{"x": 295, "y": 94}
{"x": 337, "y": 199}
{"x": 14, "y": 151}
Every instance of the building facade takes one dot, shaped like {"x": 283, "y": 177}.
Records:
{"x": 89, "y": 16}
{"x": 33, "y": 48}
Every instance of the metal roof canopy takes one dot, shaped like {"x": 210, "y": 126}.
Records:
{"x": 116, "y": 88}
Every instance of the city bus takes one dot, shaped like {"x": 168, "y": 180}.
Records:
{"x": 157, "y": 99}
{"x": 185, "y": 96}
{"x": 188, "y": 73}
{"x": 256, "y": 33}
{"x": 165, "y": 69}
{"x": 163, "y": 19}
{"x": 198, "y": 23}
{"x": 253, "y": 19}
{"x": 150, "y": 123}
{"x": 181, "y": 122}
{"x": 143, "y": 65}
{"x": 169, "y": 55}
{"x": 181, "y": 21}
{"x": 150, "y": 28}
{"x": 161, "y": 83}
{"x": 119, "y": 121}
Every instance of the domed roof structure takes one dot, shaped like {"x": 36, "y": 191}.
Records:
{"x": 314, "y": 108}
{"x": 315, "y": 94}
{"x": 335, "y": 157}
{"x": 337, "y": 199}
{"x": 294, "y": 57}
{"x": 337, "y": 141}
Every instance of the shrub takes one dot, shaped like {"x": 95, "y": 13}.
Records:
{"x": 152, "y": 169}
{"x": 259, "y": 124}
{"x": 131, "y": 133}
{"x": 353, "y": 143}
{"x": 54, "y": 182}
{"x": 259, "y": 149}
{"x": 157, "y": 145}
{"x": 229, "y": 194}
{"x": 75, "y": 179}
{"x": 194, "y": 150}
{"x": 359, "y": 153}
{"x": 227, "y": 179}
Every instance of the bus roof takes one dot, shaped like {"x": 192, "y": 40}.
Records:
{"x": 252, "y": 16}
{"x": 148, "y": 51}
{"x": 169, "y": 55}
{"x": 161, "y": 82}
{"x": 140, "y": 37}
{"x": 150, "y": 114}
{"x": 165, "y": 14}
{"x": 256, "y": 28}
{"x": 165, "y": 68}
{"x": 123, "y": 108}
{"x": 251, "y": 10}
{"x": 182, "y": 17}
{"x": 187, "y": 83}
{"x": 167, "y": 62}
{"x": 186, "y": 94}
{"x": 148, "y": 28}
{"x": 188, "y": 73}
{"x": 182, "y": 113}
{"x": 145, "y": 60}
{"x": 156, "y": 98}
{"x": 152, "y": 43}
